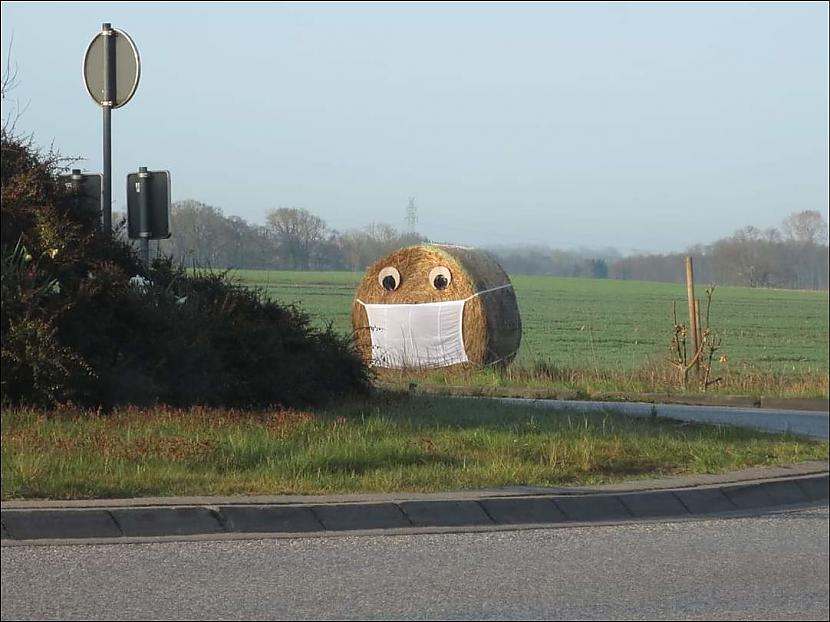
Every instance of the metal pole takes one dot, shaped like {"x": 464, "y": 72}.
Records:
{"x": 144, "y": 214}
{"x": 76, "y": 188}
{"x": 106, "y": 105}
{"x": 145, "y": 251}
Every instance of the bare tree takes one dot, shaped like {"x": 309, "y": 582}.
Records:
{"x": 362, "y": 247}
{"x": 299, "y": 232}
{"x": 808, "y": 226}
{"x": 8, "y": 83}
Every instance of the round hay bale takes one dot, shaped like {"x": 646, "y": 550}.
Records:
{"x": 436, "y": 305}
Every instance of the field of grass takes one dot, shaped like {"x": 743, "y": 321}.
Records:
{"x": 614, "y": 335}
{"x": 392, "y": 443}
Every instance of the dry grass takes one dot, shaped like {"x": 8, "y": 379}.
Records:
{"x": 542, "y": 379}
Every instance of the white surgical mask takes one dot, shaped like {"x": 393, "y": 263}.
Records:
{"x": 428, "y": 334}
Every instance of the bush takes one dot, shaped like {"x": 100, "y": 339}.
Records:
{"x": 82, "y": 320}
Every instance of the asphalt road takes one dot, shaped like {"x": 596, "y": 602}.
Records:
{"x": 815, "y": 424}
{"x": 773, "y": 566}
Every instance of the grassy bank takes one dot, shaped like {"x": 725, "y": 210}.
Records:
{"x": 393, "y": 443}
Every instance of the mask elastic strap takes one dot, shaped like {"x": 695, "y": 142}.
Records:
{"x": 487, "y": 291}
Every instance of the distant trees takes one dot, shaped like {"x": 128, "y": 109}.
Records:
{"x": 597, "y": 268}
{"x": 667, "y": 268}
{"x": 204, "y": 236}
{"x": 749, "y": 257}
{"x": 794, "y": 256}
{"x": 362, "y": 247}
{"x": 555, "y": 262}
{"x": 808, "y": 227}
{"x": 291, "y": 239}
{"x": 299, "y": 234}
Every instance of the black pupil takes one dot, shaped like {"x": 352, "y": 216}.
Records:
{"x": 389, "y": 283}
{"x": 440, "y": 282}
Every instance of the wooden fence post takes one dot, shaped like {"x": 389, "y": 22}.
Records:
{"x": 693, "y": 321}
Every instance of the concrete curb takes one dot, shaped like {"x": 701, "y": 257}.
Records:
{"x": 122, "y": 520}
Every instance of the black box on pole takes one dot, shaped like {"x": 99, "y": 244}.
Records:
{"x": 150, "y": 191}
{"x": 85, "y": 189}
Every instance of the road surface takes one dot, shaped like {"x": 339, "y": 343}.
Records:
{"x": 815, "y": 424}
{"x": 771, "y": 566}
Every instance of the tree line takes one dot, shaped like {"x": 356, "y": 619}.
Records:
{"x": 795, "y": 255}
{"x": 291, "y": 239}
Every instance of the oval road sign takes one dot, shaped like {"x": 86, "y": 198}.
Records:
{"x": 127, "y": 68}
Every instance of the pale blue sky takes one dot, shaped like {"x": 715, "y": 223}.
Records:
{"x": 640, "y": 126}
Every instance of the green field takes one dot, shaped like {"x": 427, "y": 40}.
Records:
{"x": 592, "y": 323}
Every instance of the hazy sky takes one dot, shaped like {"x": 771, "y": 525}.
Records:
{"x": 640, "y": 126}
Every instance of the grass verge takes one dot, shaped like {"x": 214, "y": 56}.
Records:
{"x": 388, "y": 444}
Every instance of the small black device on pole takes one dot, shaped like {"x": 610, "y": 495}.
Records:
{"x": 148, "y": 208}
{"x": 85, "y": 188}
{"x": 76, "y": 178}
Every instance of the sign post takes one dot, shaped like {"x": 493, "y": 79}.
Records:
{"x": 111, "y": 71}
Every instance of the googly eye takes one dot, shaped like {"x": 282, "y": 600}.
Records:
{"x": 440, "y": 277}
{"x": 389, "y": 278}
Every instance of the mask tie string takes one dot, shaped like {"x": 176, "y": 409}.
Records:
{"x": 487, "y": 291}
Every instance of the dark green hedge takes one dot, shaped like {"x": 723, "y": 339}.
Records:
{"x": 83, "y": 321}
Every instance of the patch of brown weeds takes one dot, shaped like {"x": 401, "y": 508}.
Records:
{"x": 282, "y": 419}
{"x": 193, "y": 417}
{"x": 164, "y": 448}
{"x": 104, "y": 435}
